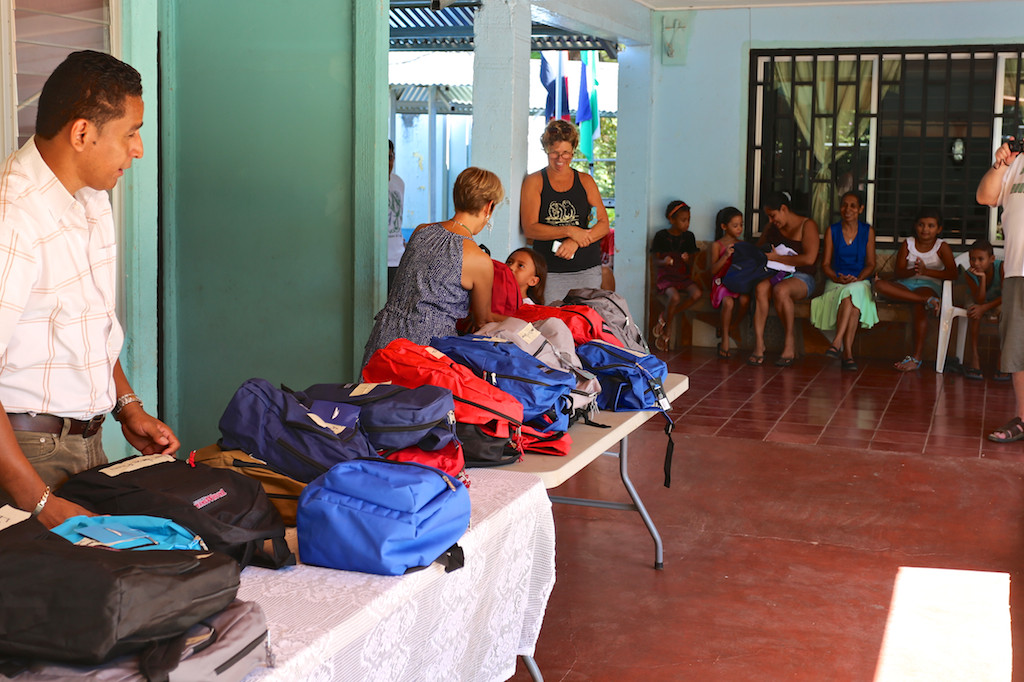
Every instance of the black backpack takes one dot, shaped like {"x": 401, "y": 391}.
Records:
{"x": 230, "y": 511}
{"x": 64, "y": 602}
{"x": 749, "y": 266}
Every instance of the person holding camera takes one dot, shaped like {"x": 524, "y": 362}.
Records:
{"x": 1003, "y": 185}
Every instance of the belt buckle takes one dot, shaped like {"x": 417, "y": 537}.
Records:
{"x": 93, "y": 425}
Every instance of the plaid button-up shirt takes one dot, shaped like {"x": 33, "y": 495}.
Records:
{"x": 59, "y": 334}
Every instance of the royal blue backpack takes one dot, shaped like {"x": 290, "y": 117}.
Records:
{"x": 394, "y": 417}
{"x": 545, "y": 392}
{"x": 300, "y": 441}
{"x": 630, "y": 382}
{"x": 383, "y": 517}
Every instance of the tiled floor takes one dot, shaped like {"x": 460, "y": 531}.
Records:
{"x": 797, "y": 495}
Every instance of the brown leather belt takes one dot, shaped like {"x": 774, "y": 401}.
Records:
{"x": 49, "y": 423}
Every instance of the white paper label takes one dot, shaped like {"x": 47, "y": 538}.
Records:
{"x": 435, "y": 352}
{"x": 141, "y": 462}
{"x": 11, "y": 515}
{"x": 529, "y": 333}
{"x": 335, "y": 428}
{"x": 363, "y": 389}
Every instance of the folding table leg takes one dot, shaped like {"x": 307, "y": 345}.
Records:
{"x": 531, "y": 667}
{"x": 659, "y": 559}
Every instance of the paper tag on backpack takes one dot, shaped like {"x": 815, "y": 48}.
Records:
{"x": 136, "y": 463}
{"x": 363, "y": 389}
{"x": 659, "y": 394}
{"x": 528, "y": 333}
{"x": 11, "y": 515}
{"x": 335, "y": 428}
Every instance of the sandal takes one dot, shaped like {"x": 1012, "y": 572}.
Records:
{"x": 1001, "y": 376}
{"x": 932, "y": 305}
{"x": 908, "y": 364}
{"x": 659, "y": 327}
{"x": 755, "y": 360}
{"x": 849, "y": 364}
{"x": 973, "y": 373}
{"x": 784, "y": 362}
{"x": 661, "y": 343}
{"x": 1013, "y": 430}
{"x": 833, "y": 353}
{"x": 724, "y": 354}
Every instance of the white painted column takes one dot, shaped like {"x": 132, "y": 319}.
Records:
{"x": 633, "y": 178}
{"x": 501, "y": 87}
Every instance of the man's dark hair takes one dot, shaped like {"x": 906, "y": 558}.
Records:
{"x": 88, "y": 84}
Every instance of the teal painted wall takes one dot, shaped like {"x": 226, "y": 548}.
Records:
{"x": 274, "y": 191}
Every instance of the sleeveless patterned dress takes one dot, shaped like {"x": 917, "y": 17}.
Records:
{"x": 427, "y": 297}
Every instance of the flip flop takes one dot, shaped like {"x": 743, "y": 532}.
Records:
{"x": 755, "y": 360}
{"x": 659, "y": 327}
{"x": 784, "y": 362}
{"x": 833, "y": 353}
{"x": 661, "y": 343}
{"x": 932, "y": 305}
{"x": 850, "y": 365}
{"x": 724, "y": 354}
{"x": 1012, "y": 431}
{"x": 973, "y": 373}
{"x": 908, "y": 364}
{"x": 1001, "y": 376}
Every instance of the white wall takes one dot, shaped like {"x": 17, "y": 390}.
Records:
{"x": 700, "y": 108}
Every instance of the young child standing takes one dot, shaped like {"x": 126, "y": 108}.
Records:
{"x": 671, "y": 253}
{"x": 985, "y": 284}
{"x": 531, "y": 271}
{"x": 922, "y": 263}
{"x": 732, "y": 306}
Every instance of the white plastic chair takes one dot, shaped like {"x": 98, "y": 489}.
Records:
{"x": 949, "y": 312}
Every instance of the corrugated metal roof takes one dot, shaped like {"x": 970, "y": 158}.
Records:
{"x": 451, "y": 99}
{"x": 414, "y": 26}
{"x": 415, "y": 99}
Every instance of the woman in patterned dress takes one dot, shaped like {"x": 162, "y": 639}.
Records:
{"x": 443, "y": 274}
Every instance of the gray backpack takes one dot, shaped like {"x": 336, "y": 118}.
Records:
{"x": 612, "y": 307}
{"x": 550, "y": 341}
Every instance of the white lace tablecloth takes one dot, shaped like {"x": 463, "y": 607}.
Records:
{"x": 470, "y": 624}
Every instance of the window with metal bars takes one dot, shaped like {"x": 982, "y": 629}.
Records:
{"x": 904, "y": 128}
{"x": 45, "y": 32}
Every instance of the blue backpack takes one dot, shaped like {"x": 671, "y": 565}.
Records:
{"x": 395, "y": 417}
{"x": 748, "y": 267}
{"x": 383, "y": 517}
{"x": 545, "y": 392}
{"x": 630, "y": 382}
{"x": 298, "y": 440}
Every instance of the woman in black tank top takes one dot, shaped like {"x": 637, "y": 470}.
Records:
{"x": 562, "y": 212}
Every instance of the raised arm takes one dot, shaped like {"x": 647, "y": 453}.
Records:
{"x": 991, "y": 185}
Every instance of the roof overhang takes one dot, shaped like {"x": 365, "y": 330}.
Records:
{"x": 416, "y": 27}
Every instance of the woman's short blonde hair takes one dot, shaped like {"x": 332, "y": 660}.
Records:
{"x": 475, "y": 188}
{"x": 560, "y": 131}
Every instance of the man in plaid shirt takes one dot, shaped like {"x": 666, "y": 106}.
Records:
{"x": 59, "y": 334}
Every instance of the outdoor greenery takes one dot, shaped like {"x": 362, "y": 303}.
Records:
{"x": 604, "y": 162}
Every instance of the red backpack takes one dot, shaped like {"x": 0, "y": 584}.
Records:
{"x": 488, "y": 420}
{"x": 585, "y": 323}
{"x": 505, "y": 297}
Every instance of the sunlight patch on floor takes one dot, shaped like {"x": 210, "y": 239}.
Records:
{"x": 947, "y": 625}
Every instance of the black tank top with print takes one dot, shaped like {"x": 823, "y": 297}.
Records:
{"x": 566, "y": 208}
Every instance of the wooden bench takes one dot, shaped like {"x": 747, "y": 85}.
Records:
{"x": 894, "y": 317}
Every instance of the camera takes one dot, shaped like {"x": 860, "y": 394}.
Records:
{"x": 1016, "y": 146}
